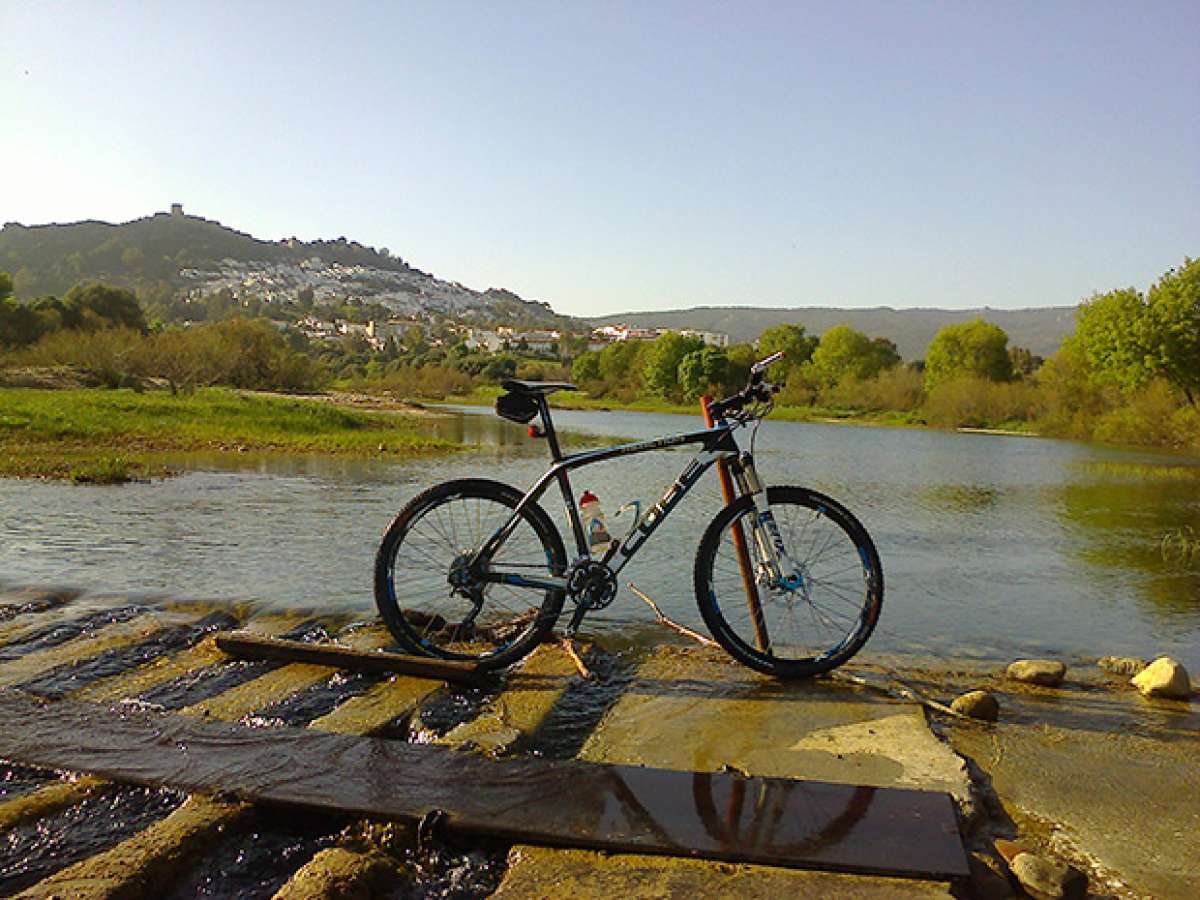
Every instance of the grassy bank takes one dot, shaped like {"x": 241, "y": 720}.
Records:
{"x": 111, "y": 435}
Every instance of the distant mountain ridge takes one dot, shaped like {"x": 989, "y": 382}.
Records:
{"x": 185, "y": 255}
{"x": 189, "y": 255}
{"x": 1040, "y": 330}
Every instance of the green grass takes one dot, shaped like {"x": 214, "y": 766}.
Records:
{"x": 105, "y": 470}
{"x": 57, "y": 433}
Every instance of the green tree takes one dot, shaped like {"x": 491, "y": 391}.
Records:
{"x": 975, "y": 348}
{"x": 702, "y": 370}
{"x": 1113, "y": 334}
{"x": 794, "y": 341}
{"x": 620, "y": 363}
{"x": 19, "y": 325}
{"x": 1174, "y": 313}
{"x": 661, "y": 369}
{"x": 844, "y": 352}
{"x": 586, "y": 368}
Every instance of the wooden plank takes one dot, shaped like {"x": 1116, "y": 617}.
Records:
{"x": 714, "y": 815}
{"x": 245, "y": 645}
{"x": 280, "y": 683}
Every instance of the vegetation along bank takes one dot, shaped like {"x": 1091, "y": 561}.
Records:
{"x": 1130, "y": 372}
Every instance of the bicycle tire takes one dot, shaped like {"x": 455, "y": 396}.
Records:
{"x": 440, "y": 526}
{"x": 833, "y": 549}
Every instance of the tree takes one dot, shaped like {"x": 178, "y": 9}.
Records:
{"x": 794, "y": 341}
{"x": 19, "y": 325}
{"x": 844, "y": 352}
{"x": 702, "y": 370}
{"x": 620, "y": 363}
{"x": 1024, "y": 361}
{"x": 586, "y": 368}
{"x": 661, "y": 369}
{"x": 1113, "y": 336}
{"x": 975, "y": 348}
{"x": 1174, "y": 312}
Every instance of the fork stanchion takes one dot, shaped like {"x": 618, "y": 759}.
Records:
{"x": 739, "y": 542}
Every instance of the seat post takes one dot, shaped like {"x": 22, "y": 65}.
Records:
{"x": 564, "y": 480}
{"x": 548, "y": 427}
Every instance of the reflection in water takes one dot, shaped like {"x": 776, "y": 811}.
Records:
{"x": 960, "y": 498}
{"x": 992, "y": 547}
{"x": 1122, "y": 526}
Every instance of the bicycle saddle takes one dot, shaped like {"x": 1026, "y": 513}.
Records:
{"x": 536, "y": 387}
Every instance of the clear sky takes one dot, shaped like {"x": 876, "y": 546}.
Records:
{"x": 610, "y": 156}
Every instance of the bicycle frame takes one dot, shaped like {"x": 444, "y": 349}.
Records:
{"x": 718, "y": 443}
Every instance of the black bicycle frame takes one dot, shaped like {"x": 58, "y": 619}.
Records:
{"x": 718, "y": 443}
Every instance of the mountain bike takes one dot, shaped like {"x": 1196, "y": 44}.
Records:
{"x": 787, "y": 580}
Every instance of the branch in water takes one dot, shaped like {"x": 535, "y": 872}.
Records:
{"x": 674, "y": 626}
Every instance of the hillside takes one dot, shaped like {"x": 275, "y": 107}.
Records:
{"x": 1039, "y": 330}
{"x": 188, "y": 256}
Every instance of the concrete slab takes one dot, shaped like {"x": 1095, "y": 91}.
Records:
{"x": 1128, "y": 801}
{"x": 530, "y": 695}
{"x": 697, "y": 709}
{"x": 204, "y": 654}
{"x": 577, "y": 874}
{"x": 143, "y": 864}
{"x": 121, "y": 634}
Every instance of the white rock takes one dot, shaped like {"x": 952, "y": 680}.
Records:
{"x": 1164, "y": 678}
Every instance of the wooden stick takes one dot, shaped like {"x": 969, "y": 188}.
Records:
{"x": 904, "y": 690}
{"x": 569, "y": 646}
{"x": 761, "y": 639}
{"x": 248, "y": 645}
{"x": 674, "y": 626}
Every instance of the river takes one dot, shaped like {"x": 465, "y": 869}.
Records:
{"x": 993, "y": 547}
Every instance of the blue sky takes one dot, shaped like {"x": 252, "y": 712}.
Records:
{"x": 617, "y": 156}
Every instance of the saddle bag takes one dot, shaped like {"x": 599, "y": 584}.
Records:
{"x": 516, "y": 407}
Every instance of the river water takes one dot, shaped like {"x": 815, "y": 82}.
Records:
{"x": 993, "y": 547}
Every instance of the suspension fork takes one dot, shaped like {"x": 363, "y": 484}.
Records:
{"x": 780, "y": 570}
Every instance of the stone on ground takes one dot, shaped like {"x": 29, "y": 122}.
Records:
{"x": 977, "y": 705}
{"x": 1164, "y": 678}
{"x": 1121, "y": 665}
{"x": 1049, "y": 879}
{"x": 1047, "y": 672}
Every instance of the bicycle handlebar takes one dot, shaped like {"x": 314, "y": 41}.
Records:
{"x": 756, "y": 389}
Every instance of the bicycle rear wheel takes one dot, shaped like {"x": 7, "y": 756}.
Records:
{"x": 812, "y": 628}
{"x": 436, "y": 605}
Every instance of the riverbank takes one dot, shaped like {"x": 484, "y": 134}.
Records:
{"x": 827, "y": 415}
{"x": 99, "y": 435}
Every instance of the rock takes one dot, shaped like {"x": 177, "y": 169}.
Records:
{"x": 977, "y": 705}
{"x": 1121, "y": 665}
{"x": 1164, "y": 678}
{"x": 1046, "y": 878}
{"x": 1047, "y": 672}
{"x": 1009, "y": 850}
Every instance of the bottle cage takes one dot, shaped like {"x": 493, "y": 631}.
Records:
{"x": 516, "y": 407}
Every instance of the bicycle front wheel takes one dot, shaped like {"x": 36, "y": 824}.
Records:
{"x": 801, "y": 630}
{"x": 434, "y": 595}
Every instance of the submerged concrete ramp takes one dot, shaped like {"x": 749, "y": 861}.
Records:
{"x": 715, "y": 815}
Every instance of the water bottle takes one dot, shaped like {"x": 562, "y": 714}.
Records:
{"x": 594, "y": 526}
